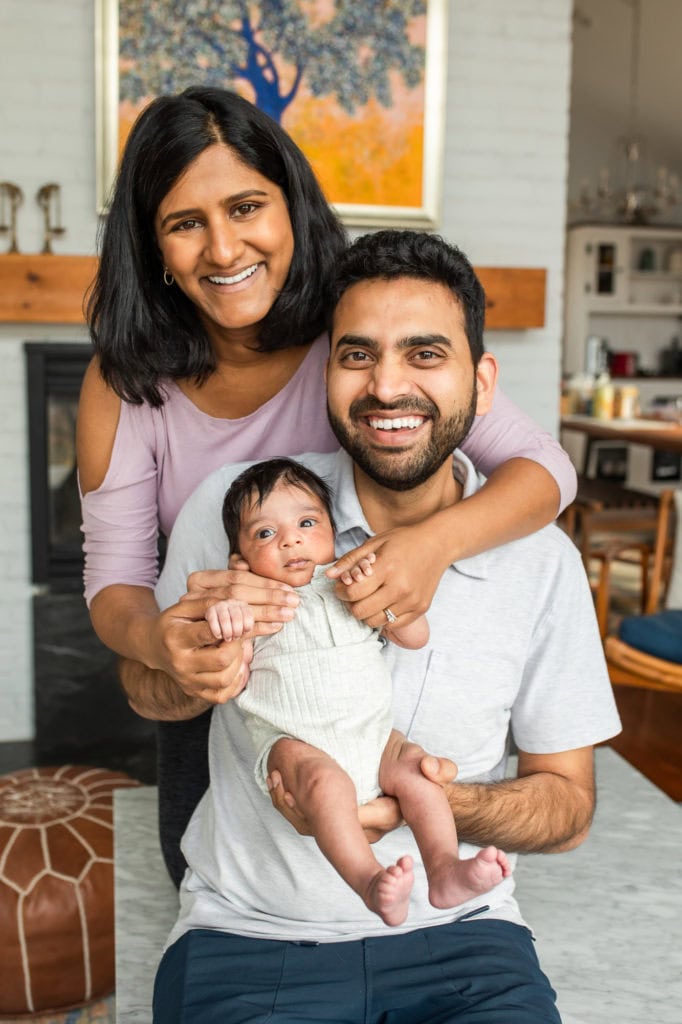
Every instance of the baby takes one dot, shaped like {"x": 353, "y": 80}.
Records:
{"x": 318, "y": 701}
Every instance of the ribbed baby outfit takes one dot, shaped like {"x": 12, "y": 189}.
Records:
{"x": 322, "y": 679}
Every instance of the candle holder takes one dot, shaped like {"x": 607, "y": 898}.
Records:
{"x": 11, "y": 198}
{"x": 48, "y": 198}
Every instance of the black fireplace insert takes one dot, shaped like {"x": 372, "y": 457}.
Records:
{"x": 81, "y": 713}
{"x": 55, "y": 373}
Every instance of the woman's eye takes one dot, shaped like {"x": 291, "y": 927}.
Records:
{"x": 186, "y": 225}
{"x": 244, "y": 209}
{"x": 265, "y": 533}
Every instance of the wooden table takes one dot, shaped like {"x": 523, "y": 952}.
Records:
{"x": 658, "y": 434}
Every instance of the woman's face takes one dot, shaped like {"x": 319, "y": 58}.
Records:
{"x": 225, "y": 235}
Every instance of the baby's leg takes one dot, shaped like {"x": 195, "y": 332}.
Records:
{"x": 325, "y": 795}
{"x": 426, "y": 810}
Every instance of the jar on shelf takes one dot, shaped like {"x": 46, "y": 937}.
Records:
{"x": 626, "y": 402}
{"x": 603, "y": 398}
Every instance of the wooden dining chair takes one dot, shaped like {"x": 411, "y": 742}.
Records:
{"x": 646, "y": 650}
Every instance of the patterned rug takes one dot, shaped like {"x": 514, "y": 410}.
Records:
{"x": 103, "y": 1012}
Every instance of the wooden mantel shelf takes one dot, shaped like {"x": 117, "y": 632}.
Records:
{"x": 48, "y": 288}
{"x": 44, "y": 288}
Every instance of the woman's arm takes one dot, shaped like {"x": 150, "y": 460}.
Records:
{"x": 531, "y": 479}
{"x": 506, "y": 432}
{"x": 120, "y": 517}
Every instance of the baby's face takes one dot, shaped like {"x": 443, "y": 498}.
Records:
{"x": 287, "y": 536}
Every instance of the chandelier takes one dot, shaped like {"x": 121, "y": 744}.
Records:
{"x": 633, "y": 199}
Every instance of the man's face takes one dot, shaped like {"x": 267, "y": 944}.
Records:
{"x": 402, "y": 391}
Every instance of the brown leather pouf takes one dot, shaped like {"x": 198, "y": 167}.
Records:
{"x": 56, "y": 887}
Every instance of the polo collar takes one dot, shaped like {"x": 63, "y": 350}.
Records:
{"x": 350, "y": 517}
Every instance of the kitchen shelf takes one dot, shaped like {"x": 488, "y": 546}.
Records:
{"x": 638, "y": 309}
{"x": 609, "y": 296}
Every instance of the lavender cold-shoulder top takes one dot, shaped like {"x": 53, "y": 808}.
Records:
{"x": 161, "y": 455}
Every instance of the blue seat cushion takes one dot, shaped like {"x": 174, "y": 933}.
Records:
{"x": 659, "y": 635}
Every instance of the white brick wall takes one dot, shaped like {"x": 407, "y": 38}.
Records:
{"x": 47, "y": 126}
{"x": 503, "y": 202}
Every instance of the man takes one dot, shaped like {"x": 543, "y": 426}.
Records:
{"x": 266, "y": 930}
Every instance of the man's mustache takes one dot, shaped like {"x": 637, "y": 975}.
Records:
{"x": 364, "y": 406}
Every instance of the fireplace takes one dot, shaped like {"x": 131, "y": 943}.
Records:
{"x": 81, "y": 714}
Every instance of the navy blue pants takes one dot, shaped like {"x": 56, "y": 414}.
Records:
{"x": 478, "y": 972}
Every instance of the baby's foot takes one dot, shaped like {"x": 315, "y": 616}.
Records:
{"x": 389, "y": 892}
{"x": 460, "y": 880}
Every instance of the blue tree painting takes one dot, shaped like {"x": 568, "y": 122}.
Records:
{"x": 347, "y": 49}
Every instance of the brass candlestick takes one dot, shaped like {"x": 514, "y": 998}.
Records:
{"x": 11, "y": 198}
{"x": 49, "y": 200}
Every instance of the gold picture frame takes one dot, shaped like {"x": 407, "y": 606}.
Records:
{"x": 379, "y": 162}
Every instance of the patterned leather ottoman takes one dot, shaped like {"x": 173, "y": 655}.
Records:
{"x": 56, "y": 887}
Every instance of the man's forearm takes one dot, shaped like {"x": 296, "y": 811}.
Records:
{"x": 540, "y": 813}
{"x": 153, "y": 694}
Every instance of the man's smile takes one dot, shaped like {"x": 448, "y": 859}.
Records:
{"x": 399, "y": 423}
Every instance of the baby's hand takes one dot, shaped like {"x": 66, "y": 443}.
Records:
{"x": 230, "y": 619}
{"x": 358, "y": 571}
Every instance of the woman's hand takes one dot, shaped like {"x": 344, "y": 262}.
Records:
{"x": 409, "y": 563}
{"x": 182, "y": 646}
{"x": 271, "y": 603}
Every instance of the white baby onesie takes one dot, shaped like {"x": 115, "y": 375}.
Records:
{"x": 322, "y": 679}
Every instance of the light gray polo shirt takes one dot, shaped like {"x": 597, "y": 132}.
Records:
{"x": 514, "y": 651}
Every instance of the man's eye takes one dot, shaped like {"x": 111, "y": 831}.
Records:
{"x": 426, "y": 355}
{"x": 356, "y": 357}
{"x": 265, "y": 533}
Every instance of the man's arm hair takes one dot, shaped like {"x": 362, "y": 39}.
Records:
{"x": 548, "y": 808}
{"x": 153, "y": 694}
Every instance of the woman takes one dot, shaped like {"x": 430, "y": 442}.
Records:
{"x": 207, "y": 320}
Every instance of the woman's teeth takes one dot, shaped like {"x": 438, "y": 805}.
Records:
{"x": 404, "y": 423}
{"x": 241, "y": 276}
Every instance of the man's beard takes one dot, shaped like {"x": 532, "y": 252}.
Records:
{"x": 386, "y": 466}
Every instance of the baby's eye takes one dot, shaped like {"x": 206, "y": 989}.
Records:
{"x": 307, "y": 522}
{"x": 265, "y": 533}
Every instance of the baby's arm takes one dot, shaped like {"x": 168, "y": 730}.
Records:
{"x": 412, "y": 636}
{"x": 230, "y": 619}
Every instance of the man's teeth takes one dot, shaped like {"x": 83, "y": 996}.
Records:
{"x": 241, "y": 276}
{"x": 404, "y": 423}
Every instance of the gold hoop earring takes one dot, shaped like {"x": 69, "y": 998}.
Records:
{"x": 168, "y": 278}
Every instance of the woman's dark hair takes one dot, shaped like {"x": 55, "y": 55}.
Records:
{"x": 399, "y": 253}
{"x": 258, "y": 481}
{"x": 144, "y": 332}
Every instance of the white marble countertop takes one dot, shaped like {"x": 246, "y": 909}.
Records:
{"x": 607, "y": 917}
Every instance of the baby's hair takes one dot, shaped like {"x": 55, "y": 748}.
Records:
{"x": 258, "y": 481}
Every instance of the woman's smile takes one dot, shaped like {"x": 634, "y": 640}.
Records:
{"x": 225, "y": 235}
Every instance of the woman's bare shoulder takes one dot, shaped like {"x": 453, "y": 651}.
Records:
{"x": 99, "y": 409}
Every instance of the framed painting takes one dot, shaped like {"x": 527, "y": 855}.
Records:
{"x": 359, "y": 86}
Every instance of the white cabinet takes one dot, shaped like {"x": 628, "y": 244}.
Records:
{"x": 623, "y": 284}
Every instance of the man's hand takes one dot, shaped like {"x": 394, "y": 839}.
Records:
{"x": 378, "y": 817}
